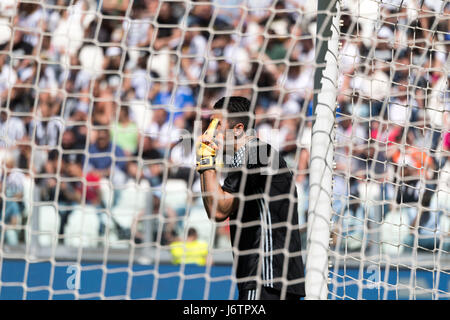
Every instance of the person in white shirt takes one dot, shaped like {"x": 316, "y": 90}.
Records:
{"x": 8, "y": 77}
{"x": 12, "y": 130}
{"x": 48, "y": 127}
{"x": 163, "y": 131}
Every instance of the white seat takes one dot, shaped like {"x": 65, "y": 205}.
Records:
{"x": 176, "y": 193}
{"x": 91, "y": 58}
{"x": 132, "y": 201}
{"x": 49, "y": 223}
{"x": 82, "y": 227}
{"x": 394, "y": 232}
{"x": 28, "y": 189}
{"x": 160, "y": 63}
{"x": 199, "y": 220}
{"x": 107, "y": 193}
{"x": 441, "y": 200}
{"x": 141, "y": 114}
{"x": 302, "y": 204}
{"x": 444, "y": 223}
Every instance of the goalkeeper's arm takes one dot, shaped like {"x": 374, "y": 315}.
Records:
{"x": 219, "y": 204}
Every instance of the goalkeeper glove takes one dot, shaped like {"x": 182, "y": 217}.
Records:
{"x": 206, "y": 154}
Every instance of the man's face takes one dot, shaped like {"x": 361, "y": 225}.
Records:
{"x": 103, "y": 139}
{"x": 68, "y": 139}
{"x": 45, "y": 110}
{"x": 73, "y": 170}
{"x": 227, "y": 133}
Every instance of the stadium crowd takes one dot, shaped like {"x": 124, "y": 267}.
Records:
{"x": 92, "y": 93}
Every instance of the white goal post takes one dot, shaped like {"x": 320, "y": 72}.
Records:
{"x": 322, "y": 149}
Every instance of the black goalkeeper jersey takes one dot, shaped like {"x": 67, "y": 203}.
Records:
{"x": 266, "y": 221}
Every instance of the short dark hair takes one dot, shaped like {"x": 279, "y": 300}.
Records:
{"x": 235, "y": 105}
{"x": 192, "y": 232}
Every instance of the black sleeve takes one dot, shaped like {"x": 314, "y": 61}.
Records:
{"x": 232, "y": 182}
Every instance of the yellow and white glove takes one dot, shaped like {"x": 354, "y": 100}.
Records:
{"x": 206, "y": 153}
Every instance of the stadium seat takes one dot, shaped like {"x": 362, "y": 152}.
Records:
{"x": 91, "y": 58}
{"x": 198, "y": 219}
{"x": 366, "y": 11}
{"x": 445, "y": 227}
{"x": 28, "y": 196}
{"x": 106, "y": 193}
{"x": 176, "y": 193}
{"x": 302, "y": 204}
{"x": 48, "y": 226}
{"x": 82, "y": 228}
{"x": 441, "y": 200}
{"x": 394, "y": 232}
{"x": 141, "y": 114}
{"x": 370, "y": 195}
{"x": 132, "y": 201}
{"x": 352, "y": 229}
{"x": 160, "y": 63}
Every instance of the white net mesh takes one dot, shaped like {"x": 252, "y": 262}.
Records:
{"x": 98, "y": 194}
{"x": 390, "y": 203}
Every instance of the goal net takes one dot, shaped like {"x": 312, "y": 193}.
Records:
{"x": 102, "y": 101}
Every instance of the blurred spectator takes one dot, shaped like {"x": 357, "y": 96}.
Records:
{"x": 73, "y": 143}
{"x": 201, "y": 15}
{"x": 194, "y": 45}
{"x": 164, "y": 222}
{"x": 47, "y": 127}
{"x": 8, "y": 77}
{"x": 10, "y": 217}
{"x": 106, "y": 159}
{"x": 84, "y": 190}
{"x": 168, "y": 17}
{"x": 91, "y": 190}
{"x": 191, "y": 251}
{"x": 372, "y": 84}
{"x": 51, "y": 170}
{"x": 12, "y": 129}
{"x": 139, "y": 84}
{"x": 163, "y": 130}
{"x": 32, "y": 19}
{"x": 12, "y": 196}
{"x": 125, "y": 133}
{"x": 138, "y": 29}
{"x": 439, "y": 95}
{"x": 149, "y": 150}
{"x": 104, "y": 108}
{"x": 177, "y": 97}
{"x": 177, "y": 59}
{"x": 415, "y": 166}
{"x": 401, "y": 109}
{"x": 299, "y": 82}
{"x": 152, "y": 167}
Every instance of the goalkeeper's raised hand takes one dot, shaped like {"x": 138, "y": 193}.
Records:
{"x": 206, "y": 148}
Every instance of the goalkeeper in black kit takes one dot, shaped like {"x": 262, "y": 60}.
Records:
{"x": 260, "y": 199}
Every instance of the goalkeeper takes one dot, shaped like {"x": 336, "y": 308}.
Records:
{"x": 260, "y": 199}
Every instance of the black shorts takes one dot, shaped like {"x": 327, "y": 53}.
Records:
{"x": 265, "y": 293}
